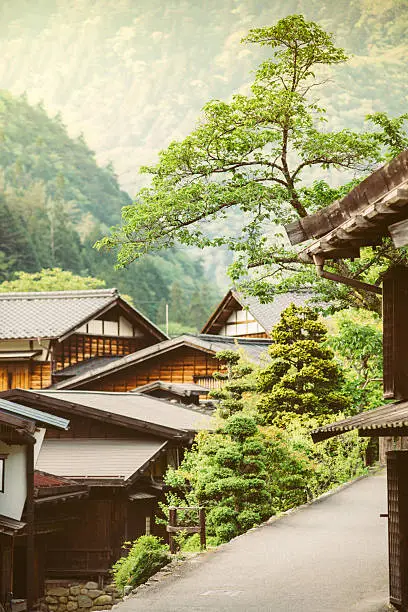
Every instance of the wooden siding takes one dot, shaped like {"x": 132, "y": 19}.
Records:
{"x": 179, "y": 366}
{"x": 25, "y": 375}
{"x": 79, "y": 347}
{"x": 40, "y": 375}
{"x": 91, "y": 544}
{"x": 395, "y": 334}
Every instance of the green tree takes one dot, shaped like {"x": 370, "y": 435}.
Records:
{"x": 250, "y": 155}
{"x": 225, "y": 472}
{"x": 237, "y": 376}
{"x": 356, "y": 338}
{"x": 178, "y": 304}
{"x": 303, "y": 377}
{"x": 53, "y": 279}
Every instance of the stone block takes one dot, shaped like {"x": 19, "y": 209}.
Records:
{"x": 75, "y": 590}
{"x": 93, "y": 593}
{"x": 62, "y": 608}
{"x": 63, "y": 599}
{"x": 110, "y": 588}
{"x": 84, "y": 601}
{"x": 58, "y": 591}
{"x": 84, "y": 591}
{"x": 51, "y": 600}
{"x": 72, "y": 605}
{"x": 91, "y": 585}
{"x": 53, "y": 608}
{"x": 102, "y": 600}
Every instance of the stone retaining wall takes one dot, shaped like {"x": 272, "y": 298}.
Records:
{"x": 68, "y": 596}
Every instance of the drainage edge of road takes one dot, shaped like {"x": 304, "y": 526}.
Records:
{"x": 182, "y": 560}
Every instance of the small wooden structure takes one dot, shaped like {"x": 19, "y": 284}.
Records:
{"x": 174, "y": 527}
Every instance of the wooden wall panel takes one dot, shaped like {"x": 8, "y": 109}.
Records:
{"x": 395, "y": 334}
{"x": 80, "y": 347}
{"x": 40, "y": 375}
{"x": 181, "y": 365}
{"x": 14, "y": 375}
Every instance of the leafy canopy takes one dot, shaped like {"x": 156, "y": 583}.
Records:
{"x": 303, "y": 377}
{"x": 53, "y": 279}
{"x": 248, "y": 155}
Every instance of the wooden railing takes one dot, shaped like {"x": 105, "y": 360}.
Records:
{"x": 173, "y": 527}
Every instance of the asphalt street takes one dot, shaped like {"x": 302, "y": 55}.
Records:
{"x": 330, "y": 556}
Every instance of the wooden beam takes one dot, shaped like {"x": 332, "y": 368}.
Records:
{"x": 399, "y": 233}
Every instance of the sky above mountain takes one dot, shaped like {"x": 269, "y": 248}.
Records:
{"x": 133, "y": 75}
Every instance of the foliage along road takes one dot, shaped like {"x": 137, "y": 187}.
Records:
{"x": 330, "y": 556}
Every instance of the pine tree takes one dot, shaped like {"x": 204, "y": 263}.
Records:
{"x": 303, "y": 377}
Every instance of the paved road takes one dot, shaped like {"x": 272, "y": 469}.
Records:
{"x": 330, "y": 556}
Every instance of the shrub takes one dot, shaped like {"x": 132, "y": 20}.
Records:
{"x": 146, "y": 556}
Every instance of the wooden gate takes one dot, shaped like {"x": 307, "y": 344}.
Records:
{"x": 397, "y": 476}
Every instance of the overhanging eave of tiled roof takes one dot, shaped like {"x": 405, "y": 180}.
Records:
{"x": 362, "y": 218}
{"x": 387, "y": 420}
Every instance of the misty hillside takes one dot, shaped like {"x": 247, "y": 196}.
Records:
{"x": 133, "y": 75}
{"x": 55, "y": 201}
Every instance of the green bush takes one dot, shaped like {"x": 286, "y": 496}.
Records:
{"x": 146, "y": 556}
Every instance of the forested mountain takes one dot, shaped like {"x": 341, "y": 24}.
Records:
{"x": 131, "y": 76}
{"x": 55, "y": 201}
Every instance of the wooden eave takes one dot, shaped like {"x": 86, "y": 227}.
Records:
{"x": 228, "y": 304}
{"x": 127, "y": 361}
{"x": 367, "y": 198}
{"x": 36, "y": 399}
{"x": 142, "y": 469}
{"x": 131, "y": 313}
{"x": 367, "y": 228}
{"x": 387, "y": 420}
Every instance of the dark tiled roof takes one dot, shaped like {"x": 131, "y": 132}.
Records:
{"x": 43, "y": 480}
{"x": 388, "y": 418}
{"x": 269, "y": 314}
{"x": 54, "y": 314}
{"x": 254, "y": 348}
{"x": 82, "y": 367}
{"x": 138, "y": 406}
{"x": 49, "y": 314}
{"x": 97, "y": 459}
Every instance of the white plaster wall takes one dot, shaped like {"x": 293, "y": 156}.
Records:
{"x": 24, "y": 345}
{"x": 15, "y": 487}
{"x": 236, "y": 326}
{"x": 125, "y": 328}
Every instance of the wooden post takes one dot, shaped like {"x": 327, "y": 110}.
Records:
{"x": 203, "y": 539}
{"x": 172, "y": 523}
{"x": 30, "y": 576}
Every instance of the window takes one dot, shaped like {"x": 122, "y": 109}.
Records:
{"x": 147, "y": 525}
{"x": 2, "y": 471}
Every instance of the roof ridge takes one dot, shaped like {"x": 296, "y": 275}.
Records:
{"x": 41, "y": 295}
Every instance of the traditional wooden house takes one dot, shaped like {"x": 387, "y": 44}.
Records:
{"x": 243, "y": 316}
{"x": 99, "y": 482}
{"x": 22, "y": 432}
{"x": 43, "y": 335}
{"x": 374, "y": 210}
{"x": 186, "y": 359}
